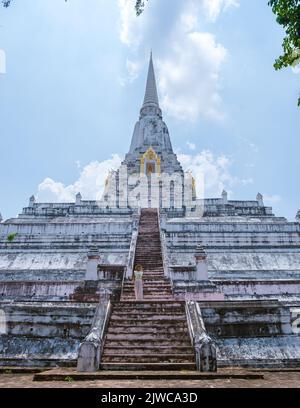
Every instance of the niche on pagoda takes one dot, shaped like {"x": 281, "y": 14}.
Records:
{"x": 150, "y": 163}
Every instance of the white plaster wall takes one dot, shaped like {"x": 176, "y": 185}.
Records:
{"x": 247, "y": 288}
{"x": 254, "y": 261}
{"x": 238, "y": 261}
{"x": 55, "y": 260}
{"x": 34, "y": 260}
{"x": 110, "y": 226}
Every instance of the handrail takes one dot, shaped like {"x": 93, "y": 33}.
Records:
{"x": 91, "y": 349}
{"x": 164, "y": 249}
{"x": 131, "y": 256}
{"x": 205, "y": 349}
{"x": 105, "y": 323}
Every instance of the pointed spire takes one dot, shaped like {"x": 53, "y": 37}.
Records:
{"x": 151, "y": 96}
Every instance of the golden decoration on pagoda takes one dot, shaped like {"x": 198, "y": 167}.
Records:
{"x": 152, "y": 160}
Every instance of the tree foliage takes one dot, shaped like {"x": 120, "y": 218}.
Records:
{"x": 6, "y": 3}
{"x": 288, "y": 16}
{"x": 139, "y": 6}
{"x": 11, "y": 237}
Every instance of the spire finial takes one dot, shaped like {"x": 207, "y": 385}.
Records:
{"x": 151, "y": 96}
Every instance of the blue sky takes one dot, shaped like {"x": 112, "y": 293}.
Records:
{"x": 75, "y": 79}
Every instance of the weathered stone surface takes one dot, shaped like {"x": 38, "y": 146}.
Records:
{"x": 43, "y": 333}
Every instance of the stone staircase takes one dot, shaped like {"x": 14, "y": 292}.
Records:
{"x": 148, "y": 254}
{"x": 151, "y": 334}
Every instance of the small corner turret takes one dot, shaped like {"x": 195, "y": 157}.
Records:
{"x": 32, "y": 201}
{"x": 260, "y": 200}
{"x": 78, "y": 199}
{"x": 225, "y": 197}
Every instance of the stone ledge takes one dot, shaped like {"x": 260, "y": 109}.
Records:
{"x": 71, "y": 374}
{"x": 21, "y": 370}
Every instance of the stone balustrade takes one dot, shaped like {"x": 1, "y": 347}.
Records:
{"x": 90, "y": 350}
{"x": 205, "y": 349}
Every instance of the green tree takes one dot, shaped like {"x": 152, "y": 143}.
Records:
{"x": 288, "y": 16}
{"x": 139, "y": 6}
{"x": 11, "y": 237}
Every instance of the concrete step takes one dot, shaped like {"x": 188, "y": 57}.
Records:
{"x": 141, "y": 317}
{"x": 146, "y": 350}
{"x": 146, "y": 303}
{"x": 132, "y": 341}
{"x": 149, "y": 287}
{"x": 148, "y": 366}
{"x": 158, "y": 288}
{"x": 126, "y": 327}
{"x": 148, "y": 358}
{"x": 148, "y": 310}
{"x": 147, "y": 322}
{"x": 151, "y": 283}
{"x": 159, "y": 330}
{"x": 143, "y": 314}
{"x": 151, "y": 296}
{"x": 149, "y": 306}
{"x": 132, "y": 299}
{"x": 148, "y": 294}
{"x": 147, "y": 372}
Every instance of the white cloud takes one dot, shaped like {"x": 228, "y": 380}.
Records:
{"x": 130, "y": 25}
{"x": 214, "y": 169}
{"x": 189, "y": 77}
{"x": 213, "y": 8}
{"x": 90, "y": 183}
{"x": 296, "y": 69}
{"x": 133, "y": 30}
{"x": 247, "y": 181}
{"x": 2, "y": 62}
{"x": 271, "y": 199}
{"x": 133, "y": 69}
{"x": 191, "y": 146}
{"x": 188, "y": 60}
